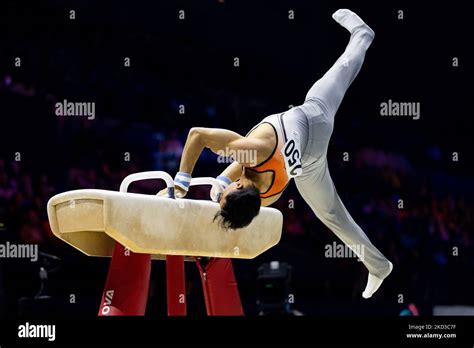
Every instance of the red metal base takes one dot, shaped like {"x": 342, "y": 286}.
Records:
{"x": 126, "y": 288}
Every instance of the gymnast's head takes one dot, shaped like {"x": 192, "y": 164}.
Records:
{"x": 240, "y": 203}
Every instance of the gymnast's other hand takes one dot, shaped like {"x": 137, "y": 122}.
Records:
{"x": 178, "y": 192}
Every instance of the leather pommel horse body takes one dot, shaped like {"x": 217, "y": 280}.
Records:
{"x": 134, "y": 228}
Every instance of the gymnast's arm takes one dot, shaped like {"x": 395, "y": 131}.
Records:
{"x": 217, "y": 140}
{"x": 233, "y": 171}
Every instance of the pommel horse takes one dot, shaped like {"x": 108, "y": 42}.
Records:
{"x": 135, "y": 229}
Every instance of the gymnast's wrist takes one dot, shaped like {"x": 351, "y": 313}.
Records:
{"x": 182, "y": 180}
{"x": 224, "y": 180}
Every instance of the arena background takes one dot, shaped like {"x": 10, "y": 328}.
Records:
{"x": 190, "y": 63}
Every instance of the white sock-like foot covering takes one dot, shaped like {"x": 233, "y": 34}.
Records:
{"x": 374, "y": 282}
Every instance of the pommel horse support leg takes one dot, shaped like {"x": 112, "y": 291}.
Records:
{"x": 134, "y": 228}
{"x": 126, "y": 288}
{"x": 221, "y": 293}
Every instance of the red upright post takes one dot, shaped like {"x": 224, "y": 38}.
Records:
{"x": 220, "y": 288}
{"x": 175, "y": 285}
{"x": 126, "y": 288}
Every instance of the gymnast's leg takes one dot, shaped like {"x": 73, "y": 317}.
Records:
{"x": 315, "y": 184}
{"x": 330, "y": 89}
{"x": 317, "y": 189}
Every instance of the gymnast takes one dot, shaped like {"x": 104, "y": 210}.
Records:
{"x": 291, "y": 145}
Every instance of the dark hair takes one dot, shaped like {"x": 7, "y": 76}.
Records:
{"x": 240, "y": 208}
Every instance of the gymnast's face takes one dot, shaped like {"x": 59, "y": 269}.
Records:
{"x": 240, "y": 184}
